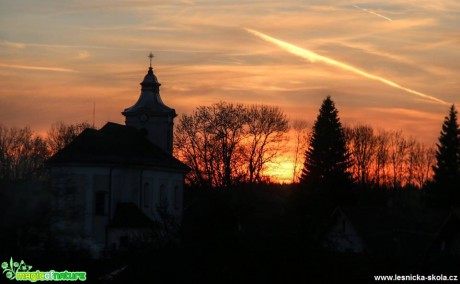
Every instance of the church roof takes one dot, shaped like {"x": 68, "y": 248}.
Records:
{"x": 115, "y": 144}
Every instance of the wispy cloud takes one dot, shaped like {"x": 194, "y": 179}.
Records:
{"x": 39, "y": 68}
{"x": 407, "y": 113}
{"x": 83, "y": 54}
{"x": 13, "y": 44}
{"x": 157, "y": 28}
{"x": 372, "y": 12}
{"x": 367, "y": 48}
{"x": 314, "y": 57}
{"x": 24, "y": 45}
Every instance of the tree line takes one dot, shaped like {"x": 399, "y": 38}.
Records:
{"x": 227, "y": 144}
{"x": 339, "y": 158}
{"x": 388, "y": 158}
{"x": 23, "y": 152}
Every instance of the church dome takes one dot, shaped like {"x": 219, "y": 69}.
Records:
{"x": 150, "y": 80}
{"x": 149, "y": 100}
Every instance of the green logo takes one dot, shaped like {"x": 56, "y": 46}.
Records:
{"x": 20, "y": 271}
{"x": 13, "y": 267}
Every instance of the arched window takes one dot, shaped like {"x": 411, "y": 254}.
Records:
{"x": 162, "y": 197}
{"x": 100, "y": 203}
{"x": 147, "y": 195}
{"x": 176, "y": 197}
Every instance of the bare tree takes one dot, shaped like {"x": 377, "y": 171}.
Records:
{"x": 302, "y": 135}
{"x": 382, "y": 157}
{"x": 209, "y": 142}
{"x": 388, "y": 158}
{"x": 193, "y": 145}
{"x": 422, "y": 159}
{"x": 398, "y": 152}
{"x": 267, "y": 129}
{"x": 61, "y": 134}
{"x": 410, "y": 161}
{"x": 225, "y": 144}
{"x": 362, "y": 143}
{"x": 228, "y": 121}
{"x": 21, "y": 153}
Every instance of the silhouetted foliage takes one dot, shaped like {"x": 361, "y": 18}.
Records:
{"x": 226, "y": 144}
{"x": 22, "y": 153}
{"x": 362, "y": 144}
{"x": 302, "y": 136}
{"x": 421, "y": 161}
{"x": 266, "y": 129}
{"x": 387, "y": 158}
{"x": 327, "y": 160}
{"x": 447, "y": 168}
{"x": 209, "y": 142}
{"x": 61, "y": 134}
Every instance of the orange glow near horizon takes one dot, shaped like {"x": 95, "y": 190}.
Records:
{"x": 281, "y": 172}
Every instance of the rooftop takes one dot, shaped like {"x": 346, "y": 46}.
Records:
{"x": 115, "y": 144}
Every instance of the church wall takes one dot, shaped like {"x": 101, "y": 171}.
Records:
{"x": 162, "y": 189}
{"x": 84, "y": 182}
{"x": 141, "y": 186}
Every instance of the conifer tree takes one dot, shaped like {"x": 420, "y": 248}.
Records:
{"x": 327, "y": 160}
{"x": 447, "y": 168}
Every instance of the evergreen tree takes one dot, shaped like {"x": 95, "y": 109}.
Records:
{"x": 447, "y": 168}
{"x": 327, "y": 159}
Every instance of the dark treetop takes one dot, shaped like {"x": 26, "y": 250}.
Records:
{"x": 447, "y": 168}
{"x": 327, "y": 159}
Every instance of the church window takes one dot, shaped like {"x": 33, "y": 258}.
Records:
{"x": 162, "y": 196}
{"x": 176, "y": 197}
{"x": 147, "y": 195}
{"x": 101, "y": 203}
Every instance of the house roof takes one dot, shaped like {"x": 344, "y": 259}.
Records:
{"x": 450, "y": 227}
{"x": 115, "y": 144}
{"x": 394, "y": 229}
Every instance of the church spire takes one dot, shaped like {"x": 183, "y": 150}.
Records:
{"x": 150, "y": 114}
{"x": 151, "y": 56}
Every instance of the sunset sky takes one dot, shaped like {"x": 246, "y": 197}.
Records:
{"x": 58, "y": 57}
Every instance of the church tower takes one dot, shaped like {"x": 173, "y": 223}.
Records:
{"x": 151, "y": 115}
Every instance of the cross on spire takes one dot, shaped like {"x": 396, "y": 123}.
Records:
{"x": 151, "y": 56}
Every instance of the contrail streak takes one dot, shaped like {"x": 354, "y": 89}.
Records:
{"x": 53, "y": 69}
{"x": 372, "y": 12}
{"x": 314, "y": 57}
